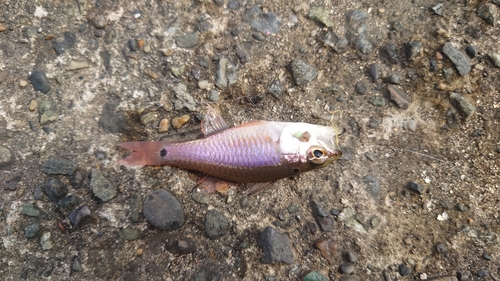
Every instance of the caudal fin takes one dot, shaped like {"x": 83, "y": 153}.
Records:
{"x": 144, "y": 153}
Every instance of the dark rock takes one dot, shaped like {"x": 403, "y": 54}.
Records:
{"x": 349, "y": 278}
{"x": 11, "y": 184}
{"x": 181, "y": 246}
{"x": 481, "y": 273}
{"x": 463, "y": 276}
{"x": 442, "y": 250}
{"x": 460, "y": 60}
{"x": 461, "y": 207}
{"x": 135, "y": 204}
{"x": 38, "y": 193}
{"x": 351, "y": 256}
{"x": 106, "y": 60}
{"x": 462, "y": 105}
{"x": 347, "y": 268}
{"x": 433, "y": 65}
{"x": 79, "y": 215}
{"x": 187, "y": 41}
{"x": 471, "y": 51}
{"x": 372, "y": 185}
{"x": 31, "y": 210}
{"x": 276, "y": 89}
{"x": 77, "y": 179}
{"x": 219, "y": 3}
{"x": 451, "y": 118}
{"x": 76, "y": 265}
{"x": 59, "y": 166}
{"x": 207, "y": 275}
{"x": 378, "y": 101}
{"x": 486, "y": 257}
{"x": 47, "y": 271}
{"x": 315, "y": 276}
{"x": 39, "y": 81}
{"x": 258, "y": 37}
{"x": 335, "y": 211}
{"x": 133, "y": 45}
{"x": 356, "y": 19}
{"x": 447, "y": 73}
{"x": 412, "y": 49}
{"x": 203, "y": 26}
{"x": 415, "y": 187}
{"x": 128, "y": 233}
{"x": 363, "y": 44}
{"x": 445, "y": 203}
{"x": 216, "y": 224}
{"x": 361, "y": 88}
{"x": 101, "y": 187}
{"x": 112, "y": 121}
{"x": 3, "y": 75}
{"x": 99, "y": 33}
{"x": 69, "y": 41}
{"x": 390, "y": 54}
{"x": 401, "y": 99}
{"x": 276, "y": 246}
{"x": 265, "y": 23}
{"x": 32, "y": 230}
{"x": 163, "y": 210}
{"x": 69, "y": 202}
{"x": 55, "y": 189}
{"x": 322, "y": 217}
{"x": 338, "y": 44}
{"x": 404, "y": 270}
{"x": 488, "y": 12}
{"x": 59, "y": 47}
{"x": 374, "y": 71}
{"x": 302, "y": 72}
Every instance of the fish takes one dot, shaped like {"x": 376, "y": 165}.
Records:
{"x": 258, "y": 152}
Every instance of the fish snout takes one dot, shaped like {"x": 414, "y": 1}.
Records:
{"x": 335, "y": 154}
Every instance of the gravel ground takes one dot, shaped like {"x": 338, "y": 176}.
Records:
{"x": 414, "y": 197}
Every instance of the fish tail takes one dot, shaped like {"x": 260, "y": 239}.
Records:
{"x": 144, "y": 153}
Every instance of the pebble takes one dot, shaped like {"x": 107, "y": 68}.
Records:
{"x": 471, "y": 51}
{"x": 372, "y": 185}
{"x": 200, "y": 197}
{"x": 401, "y": 99}
{"x": 101, "y": 187}
{"x": 404, "y": 270}
{"x": 361, "y": 88}
{"x": 6, "y": 157}
{"x": 203, "y": 84}
{"x": 488, "y": 12}
{"x": 2, "y": 28}
{"x": 32, "y": 230}
{"x": 147, "y": 49}
{"x": 328, "y": 249}
{"x": 213, "y": 95}
{"x": 302, "y": 72}
{"x": 460, "y": 60}
{"x": 59, "y": 166}
{"x": 181, "y": 246}
{"x": 178, "y": 122}
{"x": 163, "y": 210}
{"x": 276, "y": 246}
{"x": 45, "y": 241}
{"x": 135, "y": 204}
{"x": 363, "y": 44}
{"x": 462, "y": 105}
{"x": 3, "y": 75}
{"x": 79, "y": 215}
{"x": 461, "y": 207}
{"x": 486, "y": 257}
{"x": 128, "y": 233}
{"x": 462, "y": 276}
{"x": 315, "y": 276}
{"x": 183, "y": 98}
{"x": 46, "y": 272}
{"x": 216, "y": 224}
{"x": 495, "y": 58}
{"x": 99, "y": 21}
{"x": 415, "y": 187}
{"x": 177, "y": 70}
{"x": 222, "y": 81}
{"x": 347, "y": 268}
{"x": 164, "y": 125}
{"x": 69, "y": 202}
{"x": 374, "y": 71}
{"x": 33, "y": 105}
{"x": 132, "y": 26}
{"x": 233, "y": 5}
{"x": 148, "y": 118}
{"x": 378, "y": 101}
{"x": 412, "y": 125}
{"x": 276, "y": 89}
{"x": 451, "y": 118}
{"x": 349, "y": 278}
{"x": 40, "y": 81}
{"x": 187, "y": 40}
{"x": 150, "y": 73}
{"x": 55, "y": 189}
{"x": 76, "y": 65}
{"x": 322, "y": 217}
{"x": 76, "y": 265}
{"x": 481, "y": 273}
{"x": 258, "y": 37}
{"x": 442, "y": 250}
{"x": 320, "y": 14}
{"x": 338, "y": 44}
{"x": 390, "y": 53}
{"x": 441, "y": 87}
{"x": 438, "y": 9}
{"x": 412, "y": 49}
{"x": 264, "y": 23}
{"x": 48, "y": 112}
{"x": 31, "y": 210}
{"x": 23, "y": 83}
{"x": 351, "y": 256}
{"x": 30, "y": 31}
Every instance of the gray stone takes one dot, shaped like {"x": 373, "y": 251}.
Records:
{"x": 216, "y": 224}
{"x": 451, "y": 118}
{"x": 276, "y": 246}
{"x": 363, "y": 44}
{"x": 471, "y": 51}
{"x": 163, "y": 210}
{"x": 181, "y": 246}
{"x": 361, "y": 88}
{"x": 76, "y": 65}
{"x": 213, "y": 95}
{"x": 372, "y": 185}
{"x": 199, "y": 197}
{"x": 101, "y": 187}
{"x": 76, "y": 265}
{"x": 302, "y": 72}
{"x": 378, "y": 101}
{"x": 320, "y": 14}
{"x": 49, "y": 112}
{"x": 31, "y": 210}
{"x": 462, "y": 105}
{"x": 111, "y": 120}
{"x": 412, "y": 49}
{"x": 135, "y": 204}
{"x": 495, "y": 58}
{"x": 401, "y": 99}
{"x": 438, "y": 9}
{"x": 55, "y": 189}
{"x": 32, "y": 230}
{"x": 347, "y": 267}
{"x": 133, "y": 45}
{"x": 69, "y": 202}
{"x": 3, "y": 75}
{"x": 395, "y": 79}
{"x": 276, "y": 89}
{"x": 40, "y": 81}
{"x": 459, "y": 59}
{"x": 349, "y": 278}
{"x": 45, "y": 241}
{"x": 415, "y": 187}
{"x": 262, "y": 22}
{"x": 187, "y": 41}
{"x": 404, "y": 270}
{"x": 79, "y": 215}
{"x": 30, "y": 31}
{"x": 128, "y": 233}
{"x": 183, "y": 98}
{"x": 488, "y": 12}
{"x": 322, "y": 217}
{"x": 315, "y": 276}
{"x": 374, "y": 71}
{"x": 412, "y": 125}
{"x": 6, "y": 157}
{"x": 59, "y": 166}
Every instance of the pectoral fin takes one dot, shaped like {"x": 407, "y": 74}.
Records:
{"x": 213, "y": 122}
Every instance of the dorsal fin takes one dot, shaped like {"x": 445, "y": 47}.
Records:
{"x": 213, "y": 122}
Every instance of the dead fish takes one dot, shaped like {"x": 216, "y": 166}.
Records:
{"x": 259, "y": 152}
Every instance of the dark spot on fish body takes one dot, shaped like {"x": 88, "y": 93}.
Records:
{"x": 163, "y": 152}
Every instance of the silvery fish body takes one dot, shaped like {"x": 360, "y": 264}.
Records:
{"x": 260, "y": 151}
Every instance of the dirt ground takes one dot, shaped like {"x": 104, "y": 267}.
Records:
{"x": 116, "y": 68}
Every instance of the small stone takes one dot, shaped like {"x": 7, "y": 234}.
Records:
{"x": 45, "y": 242}
{"x": 258, "y": 37}
{"x": 351, "y": 256}
{"x": 320, "y": 14}
{"x": 374, "y": 71}
{"x": 183, "y": 98}
{"x": 378, "y": 101}
{"x": 79, "y": 215}
{"x": 481, "y": 273}
{"x": 33, "y": 105}
{"x": 101, "y": 187}
{"x": 350, "y": 278}
{"x": 315, "y": 276}
{"x": 30, "y": 31}
{"x": 23, "y": 83}
{"x": 135, "y": 204}
{"x": 438, "y": 9}
{"x": 471, "y": 51}
{"x": 68, "y": 202}
{"x": 147, "y": 49}
{"x": 46, "y": 272}
{"x": 181, "y": 246}
{"x": 200, "y": 197}
{"x": 151, "y": 73}
{"x": 302, "y": 72}
{"x": 148, "y": 118}
{"x": 163, "y": 210}
{"x": 32, "y": 230}
{"x": 322, "y": 217}
{"x": 59, "y": 166}
{"x": 233, "y": 5}
{"x": 441, "y": 87}
{"x": 265, "y": 23}
{"x": 178, "y": 122}
{"x": 404, "y": 270}
{"x": 347, "y": 268}
{"x": 412, "y": 125}
{"x": 40, "y": 81}
{"x": 131, "y": 26}
{"x": 2, "y": 28}
{"x": 486, "y": 257}
{"x": 6, "y": 157}
{"x": 415, "y": 187}
{"x": 31, "y": 210}
{"x": 461, "y": 207}
{"x": 76, "y": 65}
{"x": 55, "y": 189}
{"x": 390, "y": 53}
{"x": 395, "y": 79}
{"x": 216, "y": 224}
{"x": 203, "y": 84}
{"x": 276, "y": 246}
{"x": 276, "y": 89}
{"x": 495, "y": 58}
{"x": 328, "y": 249}
{"x": 213, "y": 95}
{"x": 3, "y": 75}
{"x": 128, "y": 233}
{"x": 164, "y": 125}
{"x": 372, "y": 185}
{"x": 451, "y": 118}
{"x": 361, "y": 88}
{"x": 442, "y": 250}
{"x": 462, "y": 105}
{"x": 401, "y": 99}
{"x": 412, "y": 49}
{"x": 187, "y": 41}
{"x": 177, "y": 70}
{"x": 76, "y": 265}
{"x": 133, "y": 45}
{"x": 488, "y": 12}
{"x": 48, "y": 111}
{"x": 99, "y": 22}
{"x": 460, "y": 60}
{"x": 221, "y": 74}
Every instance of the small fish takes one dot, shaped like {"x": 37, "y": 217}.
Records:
{"x": 259, "y": 152}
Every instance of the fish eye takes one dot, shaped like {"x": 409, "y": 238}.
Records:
{"x": 318, "y": 153}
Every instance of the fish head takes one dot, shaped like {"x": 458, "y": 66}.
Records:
{"x": 315, "y": 145}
